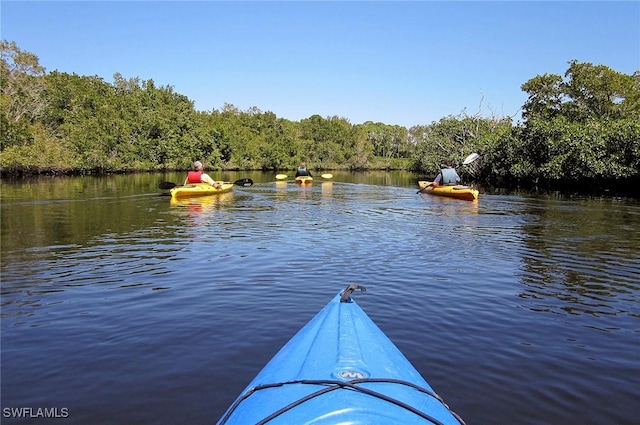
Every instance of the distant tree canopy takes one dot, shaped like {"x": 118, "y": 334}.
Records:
{"x": 585, "y": 126}
{"x": 582, "y": 126}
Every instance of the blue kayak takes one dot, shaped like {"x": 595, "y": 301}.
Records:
{"x": 339, "y": 368}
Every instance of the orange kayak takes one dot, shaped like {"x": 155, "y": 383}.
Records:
{"x": 457, "y": 191}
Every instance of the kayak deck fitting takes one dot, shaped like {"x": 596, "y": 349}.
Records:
{"x": 339, "y": 368}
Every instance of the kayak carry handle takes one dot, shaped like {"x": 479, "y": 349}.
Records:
{"x": 345, "y": 297}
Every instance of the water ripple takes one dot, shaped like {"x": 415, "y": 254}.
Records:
{"x": 515, "y": 296}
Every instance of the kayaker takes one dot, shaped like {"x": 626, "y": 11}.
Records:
{"x": 447, "y": 176}
{"x": 302, "y": 170}
{"x": 199, "y": 176}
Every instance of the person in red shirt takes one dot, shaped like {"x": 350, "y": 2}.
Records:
{"x": 199, "y": 176}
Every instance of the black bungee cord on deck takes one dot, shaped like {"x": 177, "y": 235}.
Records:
{"x": 335, "y": 385}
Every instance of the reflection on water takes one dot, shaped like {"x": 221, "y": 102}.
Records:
{"x": 327, "y": 188}
{"x": 201, "y": 204}
{"x": 449, "y": 206}
{"x": 580, "y": 258}
{"x": 117, "y": 299}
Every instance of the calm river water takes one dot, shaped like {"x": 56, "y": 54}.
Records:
{"x": 119, "y": 307}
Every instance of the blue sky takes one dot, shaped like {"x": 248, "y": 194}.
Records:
{"x": 405, "y": 63}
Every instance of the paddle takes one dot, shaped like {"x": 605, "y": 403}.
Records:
{"x": 467, "y": 160}
{"x": 284, "y": 176}
{"x": 425, "y": 188}
{"x": 241, "y": 182}
{"x": 470, "y": 158}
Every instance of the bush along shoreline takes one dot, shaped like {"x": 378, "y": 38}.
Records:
{"x": 579, "y": 130}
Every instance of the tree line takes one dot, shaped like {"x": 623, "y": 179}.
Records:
{"x": 579, "y": 128}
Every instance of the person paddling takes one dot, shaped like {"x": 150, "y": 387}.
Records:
{"x": 197, "y": 175}
{"x": 302, "y": 170}
{"x": 447, "y": 176}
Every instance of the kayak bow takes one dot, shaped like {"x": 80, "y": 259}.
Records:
{"x": 339, "y": 368}
{"x": 304, "y": 180}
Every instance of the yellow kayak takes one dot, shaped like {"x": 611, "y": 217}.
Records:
{"x": 457, "y": 191}
{"x": 199, "y": 189}
{"x": 302, "y": 180}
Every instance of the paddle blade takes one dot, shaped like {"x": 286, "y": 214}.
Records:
{"x": 243, "y": 182}
{"x": 281, "y": 176}
{"x": 424, "y": 188}
{"x": 470, "y": 158}
{"x": 327, "y": 176}
{"x": 166, "y": 185}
